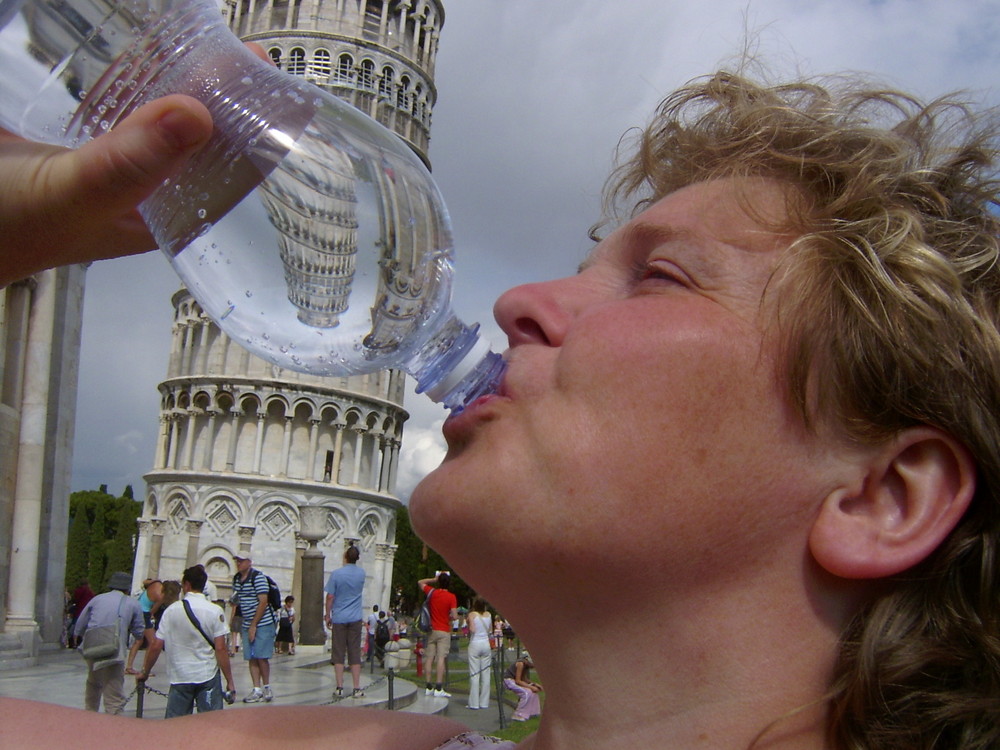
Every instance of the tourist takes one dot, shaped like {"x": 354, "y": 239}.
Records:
{"x": 383, "y": 634}
{"x": 105, "y": 623}
{"x": 517, "y": 679}
{"x": 192, "y": 632}
{"x": 284, "y": 641}
{"x": 79, "y": 599}
{"x": 235, "y": 624}
{"x": 344, "y": 589}
{"x": 260, "y": 625}
{"x": 480, "y": 654}
{"x": 149, "y": 601}
{"x": 170, "y": 592}
{"x": 370, "y": 622}
{"x": 767, "y": 406}
{"x": 443, "y": 608}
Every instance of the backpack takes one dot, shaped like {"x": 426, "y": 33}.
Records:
{"x": 273, "y": 592}
{"x": 423, "y": 623}
{"x": 382, "y": 630}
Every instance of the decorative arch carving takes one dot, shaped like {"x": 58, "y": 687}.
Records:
{"x": 369, "y": 529}
{"x": 337, "y": 526}
{"x": 178, "y": 510}
{"x": 223, "y": 514}
{"x": 276, "y": 518}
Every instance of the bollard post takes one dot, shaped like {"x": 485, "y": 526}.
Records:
{"x": 392, "y": 701}
{"x": 498, "y": 681}
{"x": 139, "y": 698}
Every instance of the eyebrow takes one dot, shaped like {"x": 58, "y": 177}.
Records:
{"x": 640, "y": 237}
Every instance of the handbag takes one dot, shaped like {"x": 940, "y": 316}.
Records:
{"x": 103, "y": 641}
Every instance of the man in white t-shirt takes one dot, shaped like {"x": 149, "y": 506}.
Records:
{"x": 193, "y": 632}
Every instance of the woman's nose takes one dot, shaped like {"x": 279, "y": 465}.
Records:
{"x": 537, "y": 313}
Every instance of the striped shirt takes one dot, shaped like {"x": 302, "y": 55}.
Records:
{"x": 247, "y": 590}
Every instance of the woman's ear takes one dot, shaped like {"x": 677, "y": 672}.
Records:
{"x": 916, "y": 489}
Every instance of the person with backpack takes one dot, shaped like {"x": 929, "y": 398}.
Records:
{"x": 254, "y": 591}
{"x": 443, "y": 609}
{"x": 383, "y": 634}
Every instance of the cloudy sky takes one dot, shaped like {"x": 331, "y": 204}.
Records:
{"x": 533, "y": 96}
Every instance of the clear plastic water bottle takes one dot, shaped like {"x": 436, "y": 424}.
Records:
{"x": 309, "y": 233}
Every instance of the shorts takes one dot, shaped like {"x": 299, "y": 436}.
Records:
{"x": 236, "y": 624}
{"x": 438, "y": 646}
{"x": 147, "y": 620}
{"x": 346, "y": 640}
{"x": 263, "y": 644}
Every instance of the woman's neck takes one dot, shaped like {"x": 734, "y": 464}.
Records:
{"x": 713, "y": 677}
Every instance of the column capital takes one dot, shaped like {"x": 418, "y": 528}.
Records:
{"x": 193, "y": 525}
{"x": 246, "y": 534}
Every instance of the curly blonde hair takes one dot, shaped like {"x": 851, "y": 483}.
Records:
{"x": 888, "y": 316}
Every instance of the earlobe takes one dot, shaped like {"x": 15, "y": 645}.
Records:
{"x": 915, "y": 490}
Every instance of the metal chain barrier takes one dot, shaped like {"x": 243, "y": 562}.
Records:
{"x": 138, "y": 689}
{"x": 495, "y": 666}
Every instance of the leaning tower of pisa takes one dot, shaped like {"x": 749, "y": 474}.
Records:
{"x": 247, "y": 450}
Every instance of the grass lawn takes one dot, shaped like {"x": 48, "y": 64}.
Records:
{"x": 458, "y": 684}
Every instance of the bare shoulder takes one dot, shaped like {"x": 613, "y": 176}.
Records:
{"x": 29, "y": 724}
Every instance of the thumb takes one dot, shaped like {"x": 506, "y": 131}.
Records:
{"x": 122, "y": 168}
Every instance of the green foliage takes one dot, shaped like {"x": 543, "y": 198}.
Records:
{"x": 102, "y": 536}
{"x": 98, "y": 548}
{"x": 121, "y": 548}
{"x": 413, "y": 561}
{"x": 77, "y": 550}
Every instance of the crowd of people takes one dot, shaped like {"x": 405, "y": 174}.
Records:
{"x": 185, "y": 621}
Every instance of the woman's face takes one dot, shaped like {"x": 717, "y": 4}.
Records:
{"x": 640, "y": 412}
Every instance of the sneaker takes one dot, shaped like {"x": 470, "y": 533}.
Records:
{"x": 256, "y": 696}
{"x": 338, "y": 693}
{"x": 268, "y": 695}
{"x": 441, "y": 694}
{"x": 429, "y": 691}
{"x": 358, "y": 693}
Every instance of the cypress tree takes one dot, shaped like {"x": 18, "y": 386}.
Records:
{"x": 77, "y": 547}
{"x": 98, "y": 549}
{"x": 121, "y": 547}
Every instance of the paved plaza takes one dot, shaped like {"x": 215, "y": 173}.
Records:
{"x": 305, "y": 679}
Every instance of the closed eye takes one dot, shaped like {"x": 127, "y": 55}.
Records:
{"x": 658, "y": 273}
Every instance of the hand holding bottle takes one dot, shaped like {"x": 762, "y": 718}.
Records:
{"x": 62, "y": 206}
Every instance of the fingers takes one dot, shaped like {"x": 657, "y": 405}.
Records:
{"x": 116, "y": 172}
{"x": 60, "y": 206}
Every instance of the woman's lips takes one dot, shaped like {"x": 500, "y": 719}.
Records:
{"x": 458, "y": 428}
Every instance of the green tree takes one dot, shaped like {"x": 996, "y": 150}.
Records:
{"x": 98, "y": 548}
{"x": 413, "y": 561}
{"x": 77, "y": 548}
{"x": 121, "y": 546}
{"x": 110, "y": 542}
